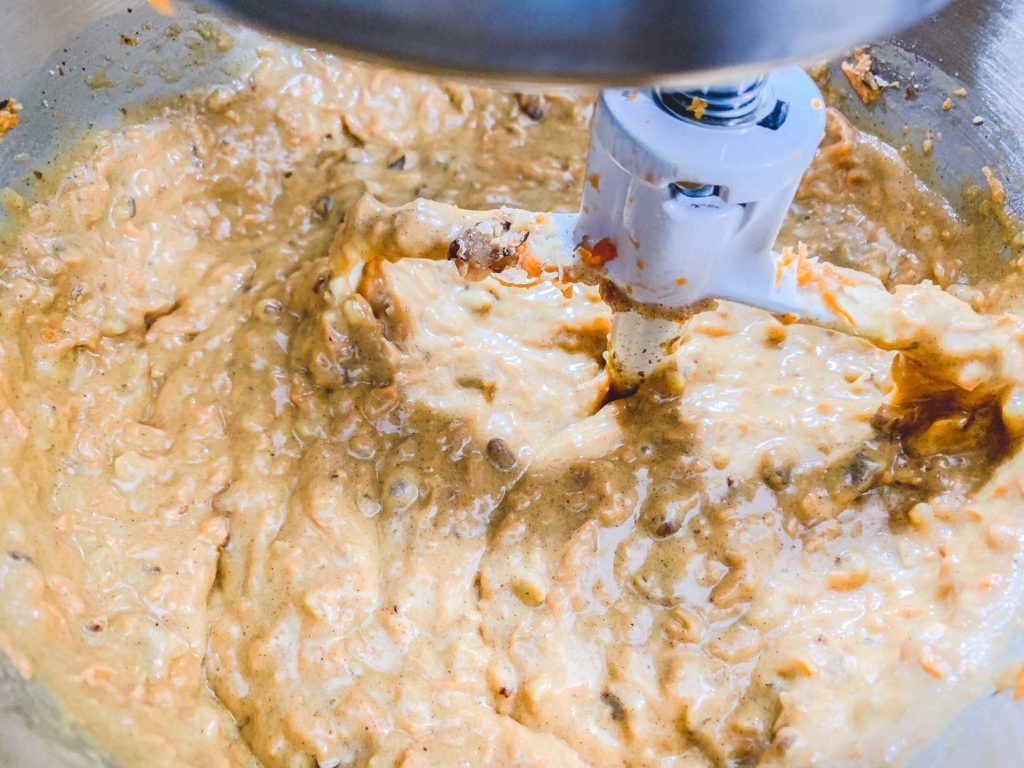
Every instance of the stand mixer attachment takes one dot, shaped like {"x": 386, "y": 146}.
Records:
{"x": 686, "y": 185}
{"x": 691, "y": 187}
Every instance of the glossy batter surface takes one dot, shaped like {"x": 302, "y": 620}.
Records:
{"x": 253, "y": 514}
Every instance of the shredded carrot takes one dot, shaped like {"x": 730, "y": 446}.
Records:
{"x": 804, "y": 273}
{"x": 1018, "y": 687}
{"x": 995, "y": 186}
{"x": 530, "y": 264}
{"x": 844, "y": 280}
{"x": 932, "y": 664}
{"x": 833, "y": 305}
{"x": 858, "y": 74}
{"x": 508, "y": 284}
{"x": 796, "y": 668}
{"x": 681, "y": 281}
{"x": 838, "y": 127}
{"x": 698, "y": 107}
{"x": 847, "y": 581}
{"x": 603, "y": 251}
{"x": 164, "y": 7}
{"x": 826, "y": 277}
{"x": 828, "y": 280}
{"x": 785, "y": 260}
{"x": 9, "y": 117}
{"x": 600, "y": 324}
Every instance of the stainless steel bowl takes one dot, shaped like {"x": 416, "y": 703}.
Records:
{"x": 64, "y": 61}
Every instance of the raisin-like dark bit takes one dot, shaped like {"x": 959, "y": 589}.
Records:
{"x": 500, "y": 455}
{"x": 323, "y": 206}
{"x": 398, "y": 164}
{"x": 777, "y": 478}
{"x": 618, "y": 709}
{"x": 668, "y": 528}
{"x": 533, "y": 105}
{"x": 861, "y": 472}
{"x": 580, "y": 477}
{"x": 476, "y": 256}
{"x": 18, "y": 556}
{"x": 785, "y": 742}
{"x": 902, "y": 418}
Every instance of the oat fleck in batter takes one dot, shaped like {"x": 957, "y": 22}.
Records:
{"x": 264, "y": 505}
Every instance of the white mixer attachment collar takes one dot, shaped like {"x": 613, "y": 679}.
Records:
{"x": 692, "y": 188}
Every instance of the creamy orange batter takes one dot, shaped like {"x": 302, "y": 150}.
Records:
{"x": 257, "y": 509}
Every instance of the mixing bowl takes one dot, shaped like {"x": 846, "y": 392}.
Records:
{"x": 66, "y": 61}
